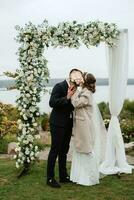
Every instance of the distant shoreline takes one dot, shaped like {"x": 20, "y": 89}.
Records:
{"x": 100, "y": 81}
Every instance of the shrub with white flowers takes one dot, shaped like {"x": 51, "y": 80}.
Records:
{"x": 34, "y": 73}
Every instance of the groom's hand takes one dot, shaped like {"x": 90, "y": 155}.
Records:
{"x": 70, "y": 92}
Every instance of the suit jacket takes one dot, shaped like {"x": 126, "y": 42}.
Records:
{"x": 62, "y": 108}
{"x": 83, "y": 125}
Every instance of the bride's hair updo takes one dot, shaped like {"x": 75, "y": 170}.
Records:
{"x": 89, "y": 81}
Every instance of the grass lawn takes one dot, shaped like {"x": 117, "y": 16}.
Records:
{"x": 33, "y": 186}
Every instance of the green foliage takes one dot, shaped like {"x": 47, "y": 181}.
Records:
{"x": 126, "y": 118}
{"x": 8, "y": 125}
{"x": 3, "y": 145}
{"x": 45, "y": 122}
{"x": 126, "y": 113}
{"x": 128, "y": 110}
{"x": 5, "y": 141}
{"x": 127, "y": 127}
{"x": 104, "y": 109}
{"x": 8, "y": 120}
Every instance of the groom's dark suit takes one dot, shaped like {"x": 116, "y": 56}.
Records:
{"x": 61, "y": 122}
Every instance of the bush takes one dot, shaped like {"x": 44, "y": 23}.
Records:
{"x": 8, "y": 120}
{"x": 45, "y": 122}
{"x": 127, "y": 128}
{"x": 104, "y": 109}
{"x": 8, "y": 127}
{"x": 126, "y": 113}
{"x": 3, "y": 145}
{"x": 4, "y": 141}
{"x": 128, "y": 110}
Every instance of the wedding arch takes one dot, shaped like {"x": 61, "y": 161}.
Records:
{"x": 34, "y": 73}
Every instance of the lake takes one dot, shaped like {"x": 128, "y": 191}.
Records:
{"x": 9, "y": 96}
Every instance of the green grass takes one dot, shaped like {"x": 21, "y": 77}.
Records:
{"x": 33, "y": 186}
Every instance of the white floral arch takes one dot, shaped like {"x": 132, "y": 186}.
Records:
{"x": 34, "y": 72}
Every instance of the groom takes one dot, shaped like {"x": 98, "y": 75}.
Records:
{"x": 61, "y": 123}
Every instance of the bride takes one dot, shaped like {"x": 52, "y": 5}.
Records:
{"x": 89, "y": 135}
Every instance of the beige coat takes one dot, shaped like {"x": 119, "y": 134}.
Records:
{"x": 82, "y": 129}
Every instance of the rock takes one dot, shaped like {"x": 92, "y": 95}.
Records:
{"x": 130, "y": 159}
{"x": 45, "y": 137}
{"x": 11, "y": 148}
{"x": 129, "y": 146}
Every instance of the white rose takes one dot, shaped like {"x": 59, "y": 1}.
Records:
{"x": 31, "y": 154}
{"x": 37, "y": 113}
{"x": 19, "y": 139}
{"x": 17, "y": 165}
{"x": 30, "y": 138}
{"x": 28, "y": 160}
{"x": 35, "y": 124}
{"x": 36, "y": 148}
{"x": 37, "y": 154}
{"x": 37, "y": 137}
{"x": 28, "y": 95}
{"x": 27, "y": 152}
{"x": 32, "y": 158}
{"x": 24, "y": 117}
{"x": 19, "y": 121}
{"x": 15, "y": 156}
{"x": 26, "y": 142}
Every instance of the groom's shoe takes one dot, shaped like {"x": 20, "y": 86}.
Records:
{"x": 53, "y": 183}
{"x": 65, "y": 180}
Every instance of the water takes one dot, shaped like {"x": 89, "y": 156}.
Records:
{"x": 10, "y": 96}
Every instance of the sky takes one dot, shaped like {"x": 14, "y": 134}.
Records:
{"x": 61, "y": 61}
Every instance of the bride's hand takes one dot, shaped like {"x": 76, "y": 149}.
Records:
{"x": 70, "y": 92}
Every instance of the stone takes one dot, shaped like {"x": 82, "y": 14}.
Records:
{"x": 45, "y": 137}
{"x": 129, "y": 146}
{"x": 11, "y": 148}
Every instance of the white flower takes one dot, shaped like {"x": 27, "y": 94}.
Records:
{"x": 30, "y": 67}
{"x": 37, "y": 113}
{"x": 18, "y": 149}
{"x": 29, "y": 78}
{"x": 17, "y": 165}
{"x": 31, "y": 154}
{"x": 28, "y": 160}
{"x": 24, "y": 117}
{"x": 27, "y": 88}
{"x": 32, "y": 158}
{"x": 27, "y": 152}
{"x": 26, "y": 142}
{"x": 24, "y": 131}
{"x": 15, "y": 156}
{"x": 19, "y": 160}
{"x": 19, "y": 139}
{"x": 37, "y": 154}
{"x": 37, "y": 137}
{"x": 28, "y": 95}
{"x": 20, "y": 154}
{"x": 36, "y": 148}
{"x": 30, "y": 138}
{"x": 34, "y": 98}
{"x": 35, "y": 124}
{"x": 32, "y": 109}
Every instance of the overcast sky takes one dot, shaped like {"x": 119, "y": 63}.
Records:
{"x": 19, "y": 12}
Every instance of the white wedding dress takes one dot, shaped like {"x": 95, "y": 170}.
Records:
{"x": 85, "y": 167}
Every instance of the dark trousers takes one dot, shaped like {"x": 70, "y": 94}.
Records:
{"x": 60, "y": 139}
